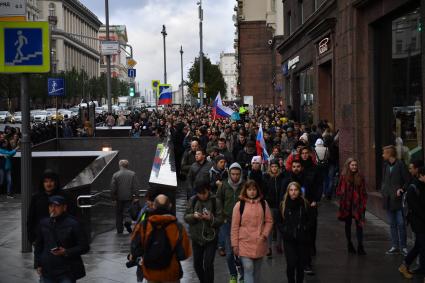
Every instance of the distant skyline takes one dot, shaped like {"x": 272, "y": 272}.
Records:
{"x": 144, "y": 20}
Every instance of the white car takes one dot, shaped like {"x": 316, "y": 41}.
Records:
{"x": 41, "y": 116}
{"x": 5, "y": 116}
{"x": 17, "y": 117}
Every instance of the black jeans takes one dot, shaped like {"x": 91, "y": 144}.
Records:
{"x": 418, "y": 249}
{"x": 122, "y": 214}
{"x": 313, "y": 236}
{"x": 297, "y": 254}
{"x": 203, "y": 260}
{"x": 359, "y": 231}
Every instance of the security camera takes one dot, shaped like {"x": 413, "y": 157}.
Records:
{"x": 270, "y": 42}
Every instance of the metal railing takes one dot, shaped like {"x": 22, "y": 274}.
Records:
{"x": 85, "y": 201}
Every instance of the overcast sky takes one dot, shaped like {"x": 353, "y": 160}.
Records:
{"x": 144, "y": 20}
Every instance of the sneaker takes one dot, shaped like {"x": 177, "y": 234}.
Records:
{"x": 360, "y": 250}
{"x": 404, "y": 251}
{"x": 233, "y": 279}
{"x": 128, "y": 227}
{"x": 405, "y": 271}
{"x": 308, "y": 270}
{"x": 269, "y": 253}
{"x": 10, "y": 196}
{"x": 392, "y": 251}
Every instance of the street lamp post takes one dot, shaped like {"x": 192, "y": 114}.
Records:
{"x": 108, "y": 60}
{"x": 164, "y": 34}
{"x": 181, "y": 64}
{"x": 201, "y": 55}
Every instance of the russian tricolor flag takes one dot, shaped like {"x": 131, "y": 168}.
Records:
{"x": 165, "y": 94}
{"x": 261, "y": 145}
{"x": 219, "y": 110}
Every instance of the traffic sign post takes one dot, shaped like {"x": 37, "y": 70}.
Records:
{"x": 56, "y": 88}
{"x": 25, "y": 48}
{"x": 131, "y": 73}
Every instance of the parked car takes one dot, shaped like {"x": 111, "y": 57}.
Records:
{"x": 17, "y": 117}
{"x": 41, "y": 116}
{"x": 5, "y": 116}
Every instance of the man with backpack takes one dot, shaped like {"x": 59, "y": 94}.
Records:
{"x": 416, "y": 217}
{"x": 204, "y": 216}
{"x": 228, "y": 194}
{"x": 322, "y": 156}
{"x": 163, "y": 242}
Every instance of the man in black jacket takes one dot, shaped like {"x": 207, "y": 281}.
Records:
{"x": 39, "y": 205}
{"x": 199, "y": 172}
{"x": 416, "y": 217}
{"x": 60, "y": 243}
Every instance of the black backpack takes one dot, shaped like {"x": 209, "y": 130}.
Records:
{"x": 242, "y": 208}
{"x": 158, "y": 252}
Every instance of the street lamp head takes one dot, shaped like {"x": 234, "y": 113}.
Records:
{"x": 163, "y": 32}
{"x": 181, "y": 49}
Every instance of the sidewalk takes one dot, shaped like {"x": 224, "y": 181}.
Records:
{"x": 106, "y": 261}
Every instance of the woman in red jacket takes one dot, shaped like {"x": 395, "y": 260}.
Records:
{"x": 352, "y": 193}
{"x": 252, "y": 223}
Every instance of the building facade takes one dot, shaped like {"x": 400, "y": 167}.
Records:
{"x": 74, "y": 33}
{"x": 253, "y": 45}
{"x": 359, "y": 65}
{"x": 32, "y": 11}
{"x": 119, "y": 61}
{"x": 228, "y": 67}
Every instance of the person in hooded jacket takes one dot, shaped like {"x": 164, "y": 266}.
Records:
{"x": 295, "y": 223}
{"x": 204, "y": 216}
{"x": 273, "y": 182}
{"x": 256, "y": 173}
{"x": 228, "y": 194}
{"x": 39, "y": 205}
{"x": 251, "y": 227}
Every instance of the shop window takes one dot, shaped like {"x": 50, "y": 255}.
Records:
{"x": 400, "y": 89}
{"x": 307, "y": 95}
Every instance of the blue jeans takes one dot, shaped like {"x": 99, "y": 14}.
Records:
{"x": 328, "y": 183}
{"x": 63, "y": 279}
{"x": 252, "y": 269}
{"x": 398, "y": 228}
{"x": 221, "y": 237}
{"x": 229, "y": 251}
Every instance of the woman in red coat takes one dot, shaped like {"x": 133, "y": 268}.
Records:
{"x": 352, "y": 194}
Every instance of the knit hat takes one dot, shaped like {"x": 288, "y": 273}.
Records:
{"x": 256, "y": 159}
{"x": 319, "y": 142}
{"x": 219, "y": 157}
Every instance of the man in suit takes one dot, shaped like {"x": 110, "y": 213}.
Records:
{"x": 124, "y": 187}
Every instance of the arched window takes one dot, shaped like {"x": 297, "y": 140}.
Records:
{"x": 52, "y": 9}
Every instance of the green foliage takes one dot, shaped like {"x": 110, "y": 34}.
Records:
{"x": 213, "y": 79}
{"x": 77, "y": 85}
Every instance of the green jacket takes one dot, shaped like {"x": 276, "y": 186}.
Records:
{"x": 203, "y": 231}
{"x": 228, "y": 198}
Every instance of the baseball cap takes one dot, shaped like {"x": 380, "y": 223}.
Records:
{"x": 58, "y": 200}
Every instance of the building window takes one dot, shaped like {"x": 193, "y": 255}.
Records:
{"x": 301, "y": 11}
{"x": 52, "y": 10}
{"x": 400, "y": 91}
{"x": 288, "y": 23}
{"x": 307, "y": 95}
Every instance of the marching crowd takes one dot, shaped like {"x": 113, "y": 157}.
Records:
{"x": 244, "y": 202}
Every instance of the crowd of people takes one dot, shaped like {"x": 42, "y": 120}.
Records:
{"x": 245, "y": 203}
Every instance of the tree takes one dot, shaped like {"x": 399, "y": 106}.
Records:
{"x": 213, "y": 79}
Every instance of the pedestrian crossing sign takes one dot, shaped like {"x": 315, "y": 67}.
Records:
{"x": 24, "y": 47}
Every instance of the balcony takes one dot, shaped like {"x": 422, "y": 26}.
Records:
{"x": 53, "y": 20}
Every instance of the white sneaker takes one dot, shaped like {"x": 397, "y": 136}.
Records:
{"x": 404, "y": 251}
{"x": 392, "y": 251}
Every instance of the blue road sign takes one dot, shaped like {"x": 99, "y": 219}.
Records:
{"x": 56, "y": 86}
{"x": 131, "y": 73}
{"x": 24, "y": 47}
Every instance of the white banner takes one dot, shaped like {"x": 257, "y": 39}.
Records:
{"x": 10, "y": 8}
{"x": 109, "y": 47}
